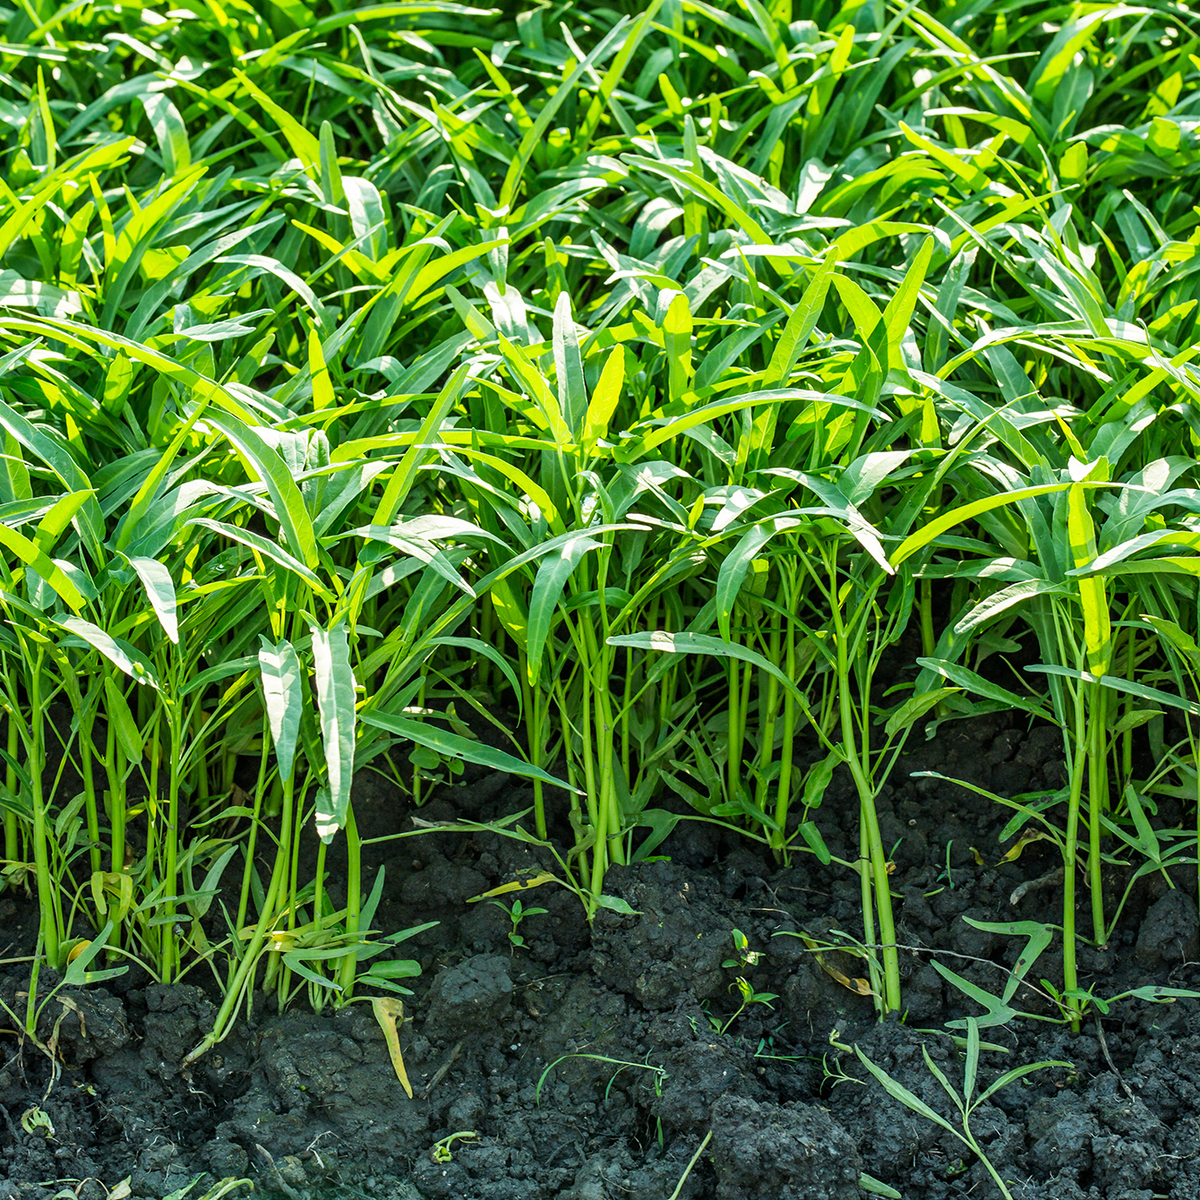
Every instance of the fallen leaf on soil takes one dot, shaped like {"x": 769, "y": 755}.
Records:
{"x": 857, "y": 984}
{"x": 389, "y": 1013}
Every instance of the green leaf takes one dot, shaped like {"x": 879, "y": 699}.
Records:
{"x": 605, "y": 397}
{"x": 898, "y": 1091}
{"x": 1120, "y": 685}
{"x": 568, "y": 366}
{"x": 117, "y": 709}
{"x": 46, "y": 568}
{"x": 548, "y": 585}
{"x": 699, "y": 643}
{"x": 913, "y": 709}
{"x": 451, "y": 745}
{"x": 294, "y": 521}
{"x": 283, "y": 690}
{"x": 160, "y": 591}
{"x": 974, "y": 682}
{"x": 118, "y": 651}
{"x": 871, "y": 1185}
{"x": 335, "y": 704}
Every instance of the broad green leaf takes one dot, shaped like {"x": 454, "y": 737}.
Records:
{"x": 118, "y": 651}
{"x": 898, "y": 1091}
{"x": 118, "y": 712}
{"x": 605, "y": 397}
{"x": 335, "y": 704}
{"x": 283, "y": 682}
{"x": 548, "y": 585}
{"x": 46, "y": 568}
{"x": 568, "y": 367}
{"x": 913, "y": 709}
{"x": 294, "y": 521}
{"x": 972, "y": 681}
{"x": 160, "y": 591}
{"x": 1097, "y": 628}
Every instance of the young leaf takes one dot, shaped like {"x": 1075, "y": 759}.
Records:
{"x": 335, "y": 704}
{"x": 283, "y": 689}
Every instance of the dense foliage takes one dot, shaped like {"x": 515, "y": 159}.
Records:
{"x": 602, "y": 396}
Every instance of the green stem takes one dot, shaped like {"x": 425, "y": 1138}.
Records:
{"x": 1098, "y": 800}
{"x": 170, "y": 959}
{"x": 319, "y": 889}
{"x": 869, "y": 817}
{"x": 348, "y": 968}
{"x": 783, "y": 795}
{"x": 48, "y": 900}
{"x": 248, "y": 963}
{"x": 534, "y": 710}
{"x": 260, "y": 788}
{"x": 416, "y": 775}
{"x": 12, "y": 831}
{"x": 1070, "y": 858}
{"x": 928, "y": 640}
{"x": 734, "y": 738}
{"x": 87, "y": 771}
{"x": 866, "y": 899}
{"x": 114, "y": 766}
{"x": 766, "y": 749}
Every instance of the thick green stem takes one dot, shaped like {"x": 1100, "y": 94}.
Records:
{"x": 856, "y": 756}
{"x": 252, "y": 840}
{"x": 12, "y": 831}
{"x": 767, "y": 716}
{"x": 734, "y": 740}
{"x": 91, "y": 809}
{"x": 1070, "y": 858}
{"x": 534, "y": 710}
{"x": 783, "y": 796}
{"x": 170, "y": 951}
{"x": 348, "y": 968}
{"x": 928, "y": 640}
{"x": 1098, "y": 801}
{"x": 416, "y": 774}
{"x": 114, "y": 766}
{"x": 48, "y": 898}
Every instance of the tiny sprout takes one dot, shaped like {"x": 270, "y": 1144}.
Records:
{"x": 516, "y": 915}
{"x": 745, "y": 958}
{"x": 440, "y": 1152}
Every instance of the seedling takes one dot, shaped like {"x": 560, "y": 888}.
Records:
{"x": 965, "y": 1101}
{"x": 516, "y": 914}
{"x": 441, "y": 1151}
{"x": 745, "y": 958}
{"x": 658, "y": 1074}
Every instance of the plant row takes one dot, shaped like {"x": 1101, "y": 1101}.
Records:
{"x": 672, "y": 408}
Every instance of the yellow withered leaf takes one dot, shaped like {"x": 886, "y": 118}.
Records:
{"x": 1014, "y": 852}
{"x": 855, "y": 984}
{"x": 517, "y": 885}
{"x": 390, "y": 1015}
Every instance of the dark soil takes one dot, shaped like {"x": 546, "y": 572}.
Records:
{"x": 308, "y": 1106}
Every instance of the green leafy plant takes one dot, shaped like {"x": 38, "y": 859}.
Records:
{"x": 964, "y": 1099}
{"x": 517, "y": 913}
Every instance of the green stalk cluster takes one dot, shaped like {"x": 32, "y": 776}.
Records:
{"x": 618, "y": 407}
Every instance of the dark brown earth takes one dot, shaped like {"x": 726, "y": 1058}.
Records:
{"x": 308, "y": 1106}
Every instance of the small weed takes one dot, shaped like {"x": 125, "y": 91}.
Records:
{"x": 743, "y": 960}
{"x": 964, "y": 1101}
{"x": 441, "y": 1151}
{"x": 516, "y": 914}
